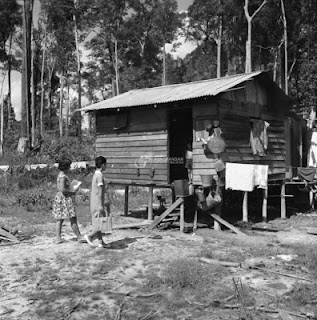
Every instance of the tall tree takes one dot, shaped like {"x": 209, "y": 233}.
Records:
{"x": 10, "y": 20}
{"x": 285, "y": 46}
{"x": 26, "y": 72}
{"x": 63, "y": 52}
{"x": 248, "y": 54}
{"x": 166, "y": 22}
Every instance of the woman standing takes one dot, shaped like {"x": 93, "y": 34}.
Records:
{"x": 63, "y": 205}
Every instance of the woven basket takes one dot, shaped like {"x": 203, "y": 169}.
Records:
{"x": 216, "y": 145}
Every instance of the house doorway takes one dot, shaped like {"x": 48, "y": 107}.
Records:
{"x": 180, "y": 133}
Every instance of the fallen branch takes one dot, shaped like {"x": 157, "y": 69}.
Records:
{"x": 235, "y": 306}
{"x": 9, "y": 244}
{"x": 222, "y": 263}
{"x": 282, "y": 274}
{"x": 6, "y": 312}
{"x": 147, "y": 295}
{"x": 123, "y": 293}
{"x": 197, "y": 303}
{"x": 214, "y": 303}
{"x": 151, "y": 314}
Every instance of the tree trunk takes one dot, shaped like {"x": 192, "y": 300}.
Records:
{"x": 67, "y": 111}
{"x": 219, "y": 42}
{"x": 61, "y": 97}
{"x": 33, "y": 92}
{"x": 248, "y": 53}
{"x": 9, "y": 92}
{"x": 275, "y": 65}
{"x": 26, "y": 69}
{"x": 9, "y": 83}
{"x": 49, "y": 95}
{"x": 280, "y": 73}
{"x": 116, "y": 66}
{"x": 42, "y": 84}
{"x": 164, "y": 63}
{"x": 78, "y": 73}
{"x": 285, "y": 48}
{"x": 1, "y": 117}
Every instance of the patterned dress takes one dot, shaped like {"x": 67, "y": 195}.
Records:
{"x": 63, "y": 205}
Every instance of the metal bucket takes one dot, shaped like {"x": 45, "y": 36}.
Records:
{"x": 206, "y": 180}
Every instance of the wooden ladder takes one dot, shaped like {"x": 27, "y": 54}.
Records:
{"x": 178, "y": 203}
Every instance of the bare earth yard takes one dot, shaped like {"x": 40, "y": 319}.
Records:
{"x": 160, "y": 274}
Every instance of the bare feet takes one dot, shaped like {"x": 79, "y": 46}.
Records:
{"x": 81, "y": 239}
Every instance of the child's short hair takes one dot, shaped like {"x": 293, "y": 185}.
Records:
{"x": 100, "y": 161}
{"x": 64, "y": 164}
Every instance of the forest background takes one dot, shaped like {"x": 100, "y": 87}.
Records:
{"x": 124, "y": 43}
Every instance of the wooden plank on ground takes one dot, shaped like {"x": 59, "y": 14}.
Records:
{"x": 140, "y": 224}
{"x": 8, "y": 235}
{"x": 165, "y": 213}
{"x": 227, "y": 224}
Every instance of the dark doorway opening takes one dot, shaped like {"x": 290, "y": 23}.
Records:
{"x": 180, "y": 133}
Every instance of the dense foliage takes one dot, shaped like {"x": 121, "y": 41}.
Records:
{"x": 110, "y": 47}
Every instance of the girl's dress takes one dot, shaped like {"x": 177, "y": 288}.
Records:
{"x": 63, "y": 205}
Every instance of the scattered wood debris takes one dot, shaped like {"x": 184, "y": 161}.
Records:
{"x": 219, "y": 262}
{"x": 6, "y": 235}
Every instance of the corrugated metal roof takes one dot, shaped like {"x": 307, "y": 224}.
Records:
{"x": 172, "y": 93}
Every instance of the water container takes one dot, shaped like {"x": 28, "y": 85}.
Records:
{"x": 181, "y": 188}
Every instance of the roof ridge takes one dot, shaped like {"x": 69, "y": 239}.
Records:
{"x": 199, "y": 81}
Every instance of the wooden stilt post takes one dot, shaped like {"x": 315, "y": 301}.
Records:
{"x": 217, "y": 225}
{"x": 181, "y": 218}
{"x": 245, "y": 207}
{"x": 264, "y": 204}
{"x": 283, "y": 202}
{"x": 150, "y": 206}
{"x": 195, "y": 221}
{"x": 218, "y": 209}
{"x": 311, "y": 200}
{"x": 126, "y": 200}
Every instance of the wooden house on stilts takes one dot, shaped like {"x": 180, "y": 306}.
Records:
{"x": 143, "y": 132}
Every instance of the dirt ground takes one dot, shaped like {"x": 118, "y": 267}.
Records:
{"x": 42, "y": 280}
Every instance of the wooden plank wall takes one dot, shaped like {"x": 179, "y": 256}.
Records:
{"x": 234, "y": 110}
{"x": 142, "y": 141}
{"x": 202, "y": 115}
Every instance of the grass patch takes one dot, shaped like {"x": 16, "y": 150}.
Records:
{"x": 180, "y": 274}
{"x": 308, "y": 256}
{"x": 232, "y": 255}
{"x": 303, "y": 295}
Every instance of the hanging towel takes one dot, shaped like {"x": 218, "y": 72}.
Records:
{"x": 239, "y": 176}
{"x": 78, "y": 165}
{"x": 259, "y": 137}
{"x": 313, "y": 151}
{"x": 5, "y": 168}
{"x": 307, "y": 174}
{"x": 41, "y": 166}
{"x": 261, "y": 176}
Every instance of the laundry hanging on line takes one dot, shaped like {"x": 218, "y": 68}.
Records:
{"x": 245, "y": 177}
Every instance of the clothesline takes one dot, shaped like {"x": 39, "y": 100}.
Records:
{"x": 29, "y": 167}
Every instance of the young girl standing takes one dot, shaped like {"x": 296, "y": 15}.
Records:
{"x": 63, "y": 205}
{"x": 99, "y": 201}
